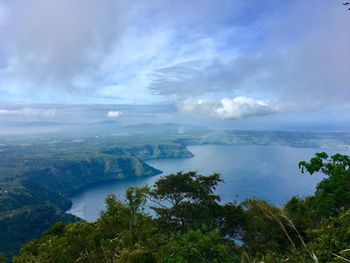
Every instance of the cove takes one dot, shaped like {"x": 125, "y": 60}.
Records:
{"x": 249, "y": 171}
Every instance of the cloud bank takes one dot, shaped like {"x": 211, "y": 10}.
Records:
{"x": 237, "y": 58}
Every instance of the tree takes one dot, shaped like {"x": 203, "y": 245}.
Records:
{"x": 331, "y": 241}
{"x": 190, "y": 226}
{"x": 2, "y": 258}
{"x": 196, "y": 246}
{"x": 332, "y": 195}
{"x": 123, "y": 233}
{"x": 262, "y": 233}
{"x": 186, "y": 200}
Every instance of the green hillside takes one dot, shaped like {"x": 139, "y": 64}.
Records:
{"x": 37, "y": 179}
{"x": 192, "y": 225}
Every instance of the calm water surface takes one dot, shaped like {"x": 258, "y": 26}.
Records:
{"x": 267, "y": 172}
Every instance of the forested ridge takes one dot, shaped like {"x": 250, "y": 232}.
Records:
{"x": 36, "y": 180}
{"x": 190, "y": 224}
{"x": 37, "y": 175}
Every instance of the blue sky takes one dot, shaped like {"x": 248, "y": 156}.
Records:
{"x": 213, "y": 61}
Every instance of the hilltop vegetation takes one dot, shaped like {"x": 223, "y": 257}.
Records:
{"x": 41, "y": 172}
{"x": 36, "y": 179}
{"x": 192, "y": 225}
{"x": 28, "y": 222}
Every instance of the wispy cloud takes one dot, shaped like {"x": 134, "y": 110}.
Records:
{"x": 78, "y": 48}
{"x": 28, "y": 112}
{"x": 293, "y": 54}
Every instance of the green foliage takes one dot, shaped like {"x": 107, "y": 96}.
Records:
{"x": 332, "y": 238}
{"x": 125, "y": 233}
{"x": 27, "y": 173}
{"x": 261, "y": 232}
{"x": 23, "y": 224}
{"x": 107, "y": 240}
{"x": 2, "y": 258}
{"x": 332, "y": 195}
{"x": 192, "y": 225}
{"x": 196, "y": 246}
{"x": 302, "y": 212}
{"x": 44, "y": 170}
{"x": 186, "y": 200}
{"x": 19, "y": 193}
{"x": 151, "y": 151}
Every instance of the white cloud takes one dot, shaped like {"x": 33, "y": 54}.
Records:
{"x": 114, "y": 114}
{"x": 242, "y": 107}
{"x": 235, "y": 108}
{"x": 28, "y": 112}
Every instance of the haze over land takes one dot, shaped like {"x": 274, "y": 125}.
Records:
{"x": 223, "y": 64}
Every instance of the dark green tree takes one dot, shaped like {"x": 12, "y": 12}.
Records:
{"x": 196, "y": 246}
{"x": 2, "y": 258}
{"x": 190, "y": 226}
{"x": 332, "y": 195}
{"x": 187, "y": 201}
{"x": 331, "y": 241}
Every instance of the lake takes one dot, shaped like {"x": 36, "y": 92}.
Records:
{"x": 267, "y": 172}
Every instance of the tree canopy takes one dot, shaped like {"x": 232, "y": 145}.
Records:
{"x": 191, "y": 224}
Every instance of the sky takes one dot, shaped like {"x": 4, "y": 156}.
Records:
{"x": 231, "y": 63}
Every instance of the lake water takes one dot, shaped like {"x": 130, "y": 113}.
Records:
{"x": 267, "y": 172}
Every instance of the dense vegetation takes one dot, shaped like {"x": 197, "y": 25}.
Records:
{"x": 190, "y": 224}
{"x": 38, "y": 173}
{"x": 36, "y": 179}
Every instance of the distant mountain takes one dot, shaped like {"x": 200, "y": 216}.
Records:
{"x": 31, "y": 123}
{"x": 163, "y": 128}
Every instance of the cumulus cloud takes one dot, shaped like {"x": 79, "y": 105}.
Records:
{"x": 235, "y": 108}
{"x": 114, "y": 114}
{"x": 241, "y": 107}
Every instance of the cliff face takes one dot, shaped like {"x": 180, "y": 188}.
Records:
{"x": 68, "y": 176}
{"x": 35, "y": 183}
{"x": 148, "y": 152}
{"x": 33, "y": 203}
